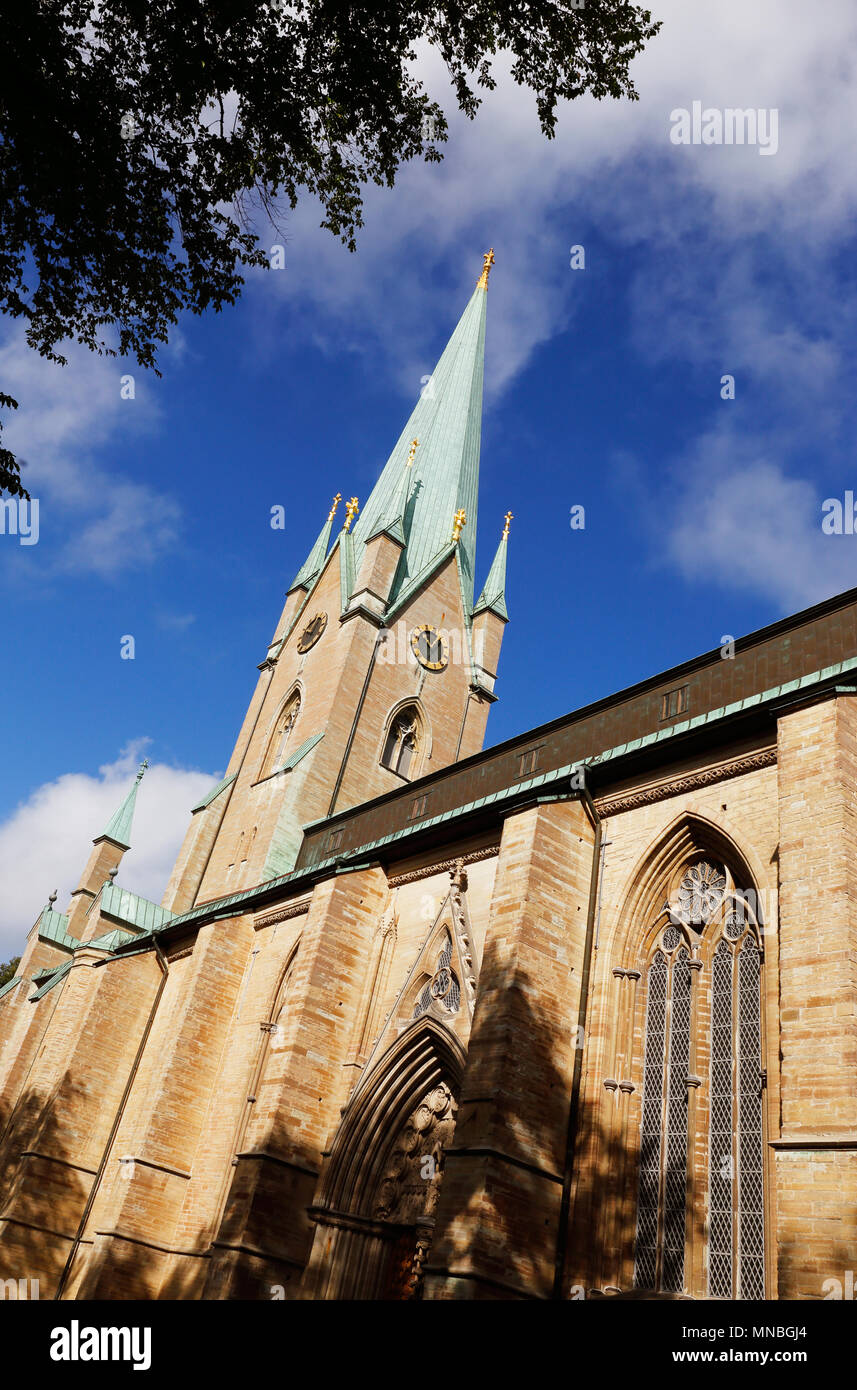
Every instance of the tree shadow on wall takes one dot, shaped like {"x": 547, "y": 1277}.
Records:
{"x": 503, "y": 1183}
{"x": 40, "y": 1189}
{"x": 43, "y": 1195}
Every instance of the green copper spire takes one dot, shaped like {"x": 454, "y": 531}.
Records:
{"x": 119, "y": 826}
{"x": 444, "y": 478}
{"x": 317, "y": 556}
{"x": 394, "y": 524}
{"x": 493, "y": 595}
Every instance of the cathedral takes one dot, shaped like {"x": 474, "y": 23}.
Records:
{"x": 574, "y": 1017}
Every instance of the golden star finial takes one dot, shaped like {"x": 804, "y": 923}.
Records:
{"x": 336, "y": 501}
{"x": 409, "y": 463}
{"x": 459, "y": 521}
{"x": 352, "y": 507}
{"x": 487, "y": 262}
{"x": 508, "y": 518}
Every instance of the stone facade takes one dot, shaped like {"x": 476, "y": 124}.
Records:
{"x": 585, "y": 1031}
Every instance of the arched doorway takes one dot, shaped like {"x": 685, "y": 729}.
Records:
{"x": 375, "y": 1213}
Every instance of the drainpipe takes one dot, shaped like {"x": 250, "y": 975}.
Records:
{"x": 463, "y": 725}
{"x": 96, "y": 1183}
{"x": 574, "y": 1101}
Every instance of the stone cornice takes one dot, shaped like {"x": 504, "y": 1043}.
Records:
{"x": 444, "y": 866}
{"x": 737, "y": 767}
{"x": 282, "y": 914}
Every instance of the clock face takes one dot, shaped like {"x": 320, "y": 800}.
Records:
{"x": 311, "y": 633}
{"x": 428, "y": 647}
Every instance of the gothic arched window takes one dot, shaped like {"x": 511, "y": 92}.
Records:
{"x": 443, "y": 987}
{"x": 403, "y": 742}
{"x": 278, "y": 745}
{"x": 703, "y": 1004}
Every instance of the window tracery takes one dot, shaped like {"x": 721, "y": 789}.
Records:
{"x": 703, "y": 999}
{"x": 403, "y": 742}
{"x": 443, "y": 987}
{"x": 279, "y": 741}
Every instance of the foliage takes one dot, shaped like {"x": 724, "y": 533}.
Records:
{"x": 139, "y": 138}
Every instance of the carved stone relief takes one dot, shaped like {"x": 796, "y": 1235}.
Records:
{"x": 410, "y": 1187}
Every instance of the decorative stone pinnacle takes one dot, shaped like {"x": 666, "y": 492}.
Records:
{"x": 487, "y": 262}
{"x": 508, "y": 519}
{"x": 352, "y": 507}
{"x": 459, "y": 522}
{"x": 336, "y": 501}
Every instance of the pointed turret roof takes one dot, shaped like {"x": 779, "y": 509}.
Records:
{"x": 119, "y": 825}
{"x": 493, "y": 594}
{"x": 444, "y": 479}
{"x": 394, "y": 523}
{"x": 317, "y": 556}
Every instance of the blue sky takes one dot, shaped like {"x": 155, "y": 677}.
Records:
{"x": 602, "y": 389}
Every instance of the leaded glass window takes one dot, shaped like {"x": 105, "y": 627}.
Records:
{"x": 675, "y": 1163}
{"x": 751, "y": 1205}
{"x": 443, "y": 988}
{"x": 650, "y": 1151}
{"x": 662, "y": 1200}
{"x": 705, "y": 966}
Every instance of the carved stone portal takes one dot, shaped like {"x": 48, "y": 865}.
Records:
{"x": 410, "y": 1187}
{"x": 409, "y": 1190}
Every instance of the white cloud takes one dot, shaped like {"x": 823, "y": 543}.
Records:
{"x": 611, "y": 166}
{"x": 707, "y": 220}
{"x": 91, "y": 520}
{"x": 741, "y": 522}
{"x": 46, "y": 841}
{"x": 735, "y": 260}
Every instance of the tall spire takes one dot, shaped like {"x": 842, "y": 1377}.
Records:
{"x": 317, "y": 556}
{"x": 493, "y": 594}
{"x": 119, "y": 825}
{"x": 444, "y": 478}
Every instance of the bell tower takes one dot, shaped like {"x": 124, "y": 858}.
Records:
{"x": 382, "y": 667}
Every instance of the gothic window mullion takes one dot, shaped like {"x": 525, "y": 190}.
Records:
{"x": 649, "y": 1203}
{"x": 751, "y": 1217}
{"x": 676, "y": 1134}
{"x": 721, "y": 1165}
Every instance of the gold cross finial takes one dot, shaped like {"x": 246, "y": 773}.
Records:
{"x": 352, "y": 507}
{"x": 487, "y": 262}
{"x": 410, "y": 459}
{"x": 508, "y": 518}
{"x": 459, "y": 521}
{"x": 336, "y": 501}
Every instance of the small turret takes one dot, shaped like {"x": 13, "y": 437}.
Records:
{"x": 490, "y": 616}
{"x": 108, "y": 849}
